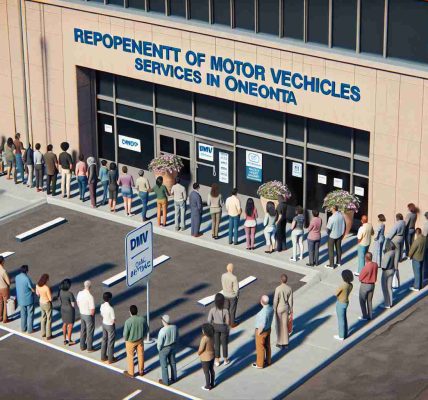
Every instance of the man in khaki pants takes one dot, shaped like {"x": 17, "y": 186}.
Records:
{"x": 66, "y": 163}
{"x": 134, "y": 331}
{"x": 4, "y": 291}
{"x": 263, "y": 327}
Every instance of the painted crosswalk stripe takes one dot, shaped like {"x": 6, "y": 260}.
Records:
{"x": 122, "y": 275}
{"x": 40, "y": 229}
{"x": 5, "y": 336}
{"x": 245, "y": 282}
{"x": 132, "y": 395}
{"x": 7, "y": 254}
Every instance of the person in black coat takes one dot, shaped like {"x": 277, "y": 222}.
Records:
{"x": 281, "y": 225}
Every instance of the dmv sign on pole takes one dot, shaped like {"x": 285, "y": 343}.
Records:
{"x": 139, "y": 253}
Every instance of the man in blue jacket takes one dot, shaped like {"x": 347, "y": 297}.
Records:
{"x": 25, "y": 297}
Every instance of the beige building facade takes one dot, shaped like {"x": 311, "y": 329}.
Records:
{"x": 47, "y": 75}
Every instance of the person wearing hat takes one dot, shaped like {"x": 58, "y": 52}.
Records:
{"x": 4, "y": 291}
{"x": 143, "y": 187}
{"x": 167, "y": 343}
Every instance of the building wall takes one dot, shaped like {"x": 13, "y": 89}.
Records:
{"x": 393, "y": 105}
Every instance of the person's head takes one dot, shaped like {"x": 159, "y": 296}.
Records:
{"x": 426, "y": 215}
{"x": 165, "y": 320}
{"x": 364, "y": 219}
{"x": 399, "y": 217}
{"x": 270, "y": 208}
{"x": 229, "y": 267}
{"x": 113, "y": 166}
{"x": 368, "y": 257}
{"x": 299, "y": 210}
{"x": 65, "y": 285}
{"x": 249, "y": 207}
{"x": 214, "y": 190}
{"x": 315, "y": 213}
{"x": 219, "y": 301}
{"x": 381, "y": 218}
{"x": 234, "y": 191}
{"x": 159, "y": 181}
{"x": 107, "y": 296}
{"x": 37, "y": 146}
{"x": 284, "y": 278}
{"x": 333, "y": 209}
{"x": 389, "y": 246}
{"x": 264, "y": 300}
{"x": 177, "y": 179}
{"x": 103, "y": 163}
{"x": 347, "y": 276}
{"x": 81, "y": 157}
{"x": 280, "y": 198}
{"x": 9, "y": 142}
{"x": 24, "y": 269}
{"x": 1, "y": 260}
{"x": 208, "y": 330}
{"x": 17, "y": 136}
{"x": 133, "y": 310}
{"x": 418, "y": 232}
{"x": 141, "y": 172}
{"x": 49, "y": 147}
{"x": 125, "y": 169}
{"x": 43, "y": 280}
{"x": 64, "y": 146}
{"x": 196, "y": 186}
{"x": 87, "y": 285}
{"x": 29, "y": 145}
{"x": 411, "y": 207}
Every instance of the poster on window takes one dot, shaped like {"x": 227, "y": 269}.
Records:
{"x": 322, "y": 179}
{"x": 253, "y": 166}
{"x": 359, "y": 191}
{"x": 338, "y": 183}
{"x": 223, "y": 167}
{"x": 108, "y": 128}
{"x": 205, "y": 152}
{"x": 297, "y": 170}
{"x": 129, "y": 143}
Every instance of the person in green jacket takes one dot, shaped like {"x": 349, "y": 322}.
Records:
{"x": 417, "y": 254}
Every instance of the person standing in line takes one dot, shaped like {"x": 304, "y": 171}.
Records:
{"x": 233, "y": 208}
{"x": 167, "y": 343}
{"x": 162, "y": 194}
{"x": 66, "y": 163}
{"x": 425, "y": 233}
{"x": 103, "y": 178}
{"x": 38, "y": 167}
{"x": 314, "y": 239}
{"x": 388, "y": 271}
{"x": 109, "y": 329}
{"x": 196, "y": 209}
{"x": 4, "y": 291}
{"x": 335, "y": 230}
{"x": 269, "y": 223}
{"x": 68, "y": 310}
{"x": 81, "y": 175}
{"x": 219, "y": 318}
{"x": 51, "y": 163}
{"x": 368, "y": 277}
{"x": 92, "y": 180}
{"x": 262, "y": 333}
{"x": 379, "y": 240}
{"x": 45, "y": 300}
{"x": 396, "y": 234}
{"x": 250, "y": 224}
{"x": 9, "y": 152}
{"x": 281, "y": 225}
{"x": 113, "y": 188}
{"x": 215, "y": 203}
{"x": 342, "y": 302}
{"x": 86, "y": 304}
{"x": 19, "y": 148}
{"x": 297, "y": 233}
{"x": 25, "y": 296}
{"x": 134, "y": 332}
{"x": 417, "y": 254}
{"x": 206, "y": 355}
{"x": 180, "y": 196}
{"x": 142, "y": 185}
{"x": 230, "y": 286}
{"x": 126, "y": 182}
{"x": 364, "y": 236}
{"x": 410, "y": 221}
{"x": 283, "y": 309}
{"x": 28, "y": 159}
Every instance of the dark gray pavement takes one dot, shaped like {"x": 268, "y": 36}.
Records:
{"x": 390, "y": 364}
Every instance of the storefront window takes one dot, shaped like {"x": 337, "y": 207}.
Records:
{"x": 361, "y": 167}
{"x": 214, "y": 109}
{"x": 119, "y": 3}
{"x": 134, "y": 90}
{"x": 106, "y": 144}
{"x": 345, "y": 24}
{"x": 105, "y": 106}
{"x": 244, "y": 14}
{"x": 294, "y": 151}
{"x": 372, "y": 22}
{"x": 268, "y": 16}
{"x": 214, "y": 132}
{"x": 295, "y": 127}
{"x": 176, "y": 100}
{"x": 318, "y": 21}
{"x": 135, "y": 113}
{"x": 361, "y": 143}
{"x": 259, "y": 119}
{"x": 139, "y": 4}
{"x": 259, "y": 143}
{"x": 166, "y": 144}
{"x": 293, "y": 18}
{"x": 173, "y": 122}
{"x": 329, "y": 135}
{"x": 221, "y": 12}
{"x": 294, "y": 182}
{"x": 199, "y": 10}
{"x": 105, "y": 84}
{"x": 177, "y": 8}
{"x": 331, "y": 160}
{"x": 157, "y": 6}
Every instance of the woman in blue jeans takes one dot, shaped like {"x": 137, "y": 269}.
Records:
{"x": 103, "y": 178}
{"x": 342, "y": 296}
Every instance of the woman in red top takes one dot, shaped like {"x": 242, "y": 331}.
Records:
{"x": 250, "y": 223}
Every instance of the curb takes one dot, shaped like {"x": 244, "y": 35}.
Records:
{"x": 23, "y": 210}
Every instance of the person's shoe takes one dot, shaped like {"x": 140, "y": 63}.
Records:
{"x": 226, "y": 362}
{"x": 177, "y": 228}
{"x": 105, "y": 361}
{"x": 207, "y": 389}
{"x": 126, "y": 373}
{"x": 413, "y": 289}
{"x": 140, "y": 373}
{"x": 49, "y": 337}
{"x": 71, "y": 343}
{"x": 217, "y": 363}
{"x": 337, "y": 337}
{"x": 356, "y": 273}
{"x": 43, "y": 336}
{"x": 338, "y": 265}
{"x": 160, "y": 381}
{"x": 112, "y": 361}
{"x": 234, "y": 325}
{"x": 254, "y": 365}
{"x": 361, "y": 318}
{"x": 83, "y": 349}
{"x": 91, "y": 351}
{"x": 293, "y": 259}
{"x": 309, "y": 264}
{"x": 235, "y": 244}
{"x": 329, "y": 266}
{"x": 386, "y": 307}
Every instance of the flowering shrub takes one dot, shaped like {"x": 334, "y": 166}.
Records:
{"x": 166, "y": 163}
{"x": 270, "y": 190}
{"x": 344, "y": 201}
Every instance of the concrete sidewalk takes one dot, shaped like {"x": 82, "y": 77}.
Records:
{"x": 312, "y": 345}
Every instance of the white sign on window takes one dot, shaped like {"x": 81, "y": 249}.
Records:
{"x": 359, "y": 191}
{"x": 322, "y": 179}
{"x": 205, "y": 152}
{"x": 338, "y": 183}
{"x": 297, "y": 170}
{"x": 108, "y": 128}
{"x": 129, "y": 143}
{"x": 223, "y": 167}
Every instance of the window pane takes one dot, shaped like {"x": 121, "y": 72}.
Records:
{"x": 199, "y": 10}
{"x": 372, "y": 17}
{"x": 295, "y": 185}
{"x": 105, "y": 137}
{"x": 295, "y": 128}
{"x": 172, "y": 99}
{"x": 329, "y": 160}
{"x": 408, "y": 30}
{"x": 135, "y": 113}
{"x": 105, "y": 84}
{"x": 364, "y": 200}
{"x": 258, "y": 143}
{"x": 119, "y": 3}
{"x": 157, "y": 6}
{"x": 293, "y": 19}
{"x": 345, "y": 23}
{"x": 166, "y": 144}
{"x": 214, "y": 109}
{"x": 244, "y": 14}
{"x": 329, "y": 135}
{"x": 318, "y": 21}
{"x": 106, "y": 106}
{"x": 221, "y": 13}
{"x": 182, "y": 148}
{"x": 361, "y": 167}
{"x": 173, "y": 122}
{"x": 140, "y": 4}
{"x": 294, "y": 151}
{"x": 268, "y": 16}
{"x": 362, "y": 143}
{"x": 259, "y": 119}
{"x": 134, "y": 90}
{"x": 177, "y": 8}
{"x": 213, "y": 132}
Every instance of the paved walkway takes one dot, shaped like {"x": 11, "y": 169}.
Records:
{"x": 312, "y": 345}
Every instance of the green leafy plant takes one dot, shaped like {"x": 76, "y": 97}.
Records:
{"x": 272, "y": 189}
{"x": 166, "y": 163}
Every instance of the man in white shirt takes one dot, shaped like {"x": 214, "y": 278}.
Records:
{"x": 179, "y": 193}
{"x": 233, "y": 207}
{"x": 109, "y": 329}
{"x": 86, "y": 304}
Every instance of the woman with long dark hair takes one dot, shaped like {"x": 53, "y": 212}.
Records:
{"x": 269, "y": 224}
{"x": 250, "y": 224}
{"x": 215, "y": 203}
{"x": 162, "y": 194}
{"x": 113, "y": 187}
{"x": 342, "y": 296}
{"x": 281, "y": 225}
{"x": 206, "y": 355}
{"x": 68, "y": 314}
{"x": 45, "y": 300}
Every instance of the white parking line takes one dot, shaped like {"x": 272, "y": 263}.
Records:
{"x": 133, "y": 394}
{"x": 7, "y": 254}
{"x": 40, "y": 229}
{"x": 245, "y": 282}
{"x": 5, "y": 336}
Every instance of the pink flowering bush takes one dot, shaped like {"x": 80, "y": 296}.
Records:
{"x": 270, "y": 190}
{"x": 344, "y": 201}
{"x": 166, "y": 163}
